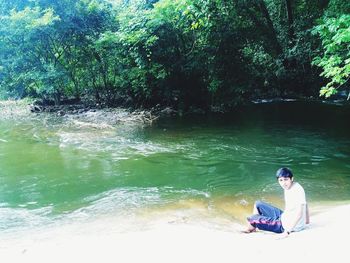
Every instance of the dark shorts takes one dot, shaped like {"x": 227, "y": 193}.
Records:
{"x": 268, "y": 219}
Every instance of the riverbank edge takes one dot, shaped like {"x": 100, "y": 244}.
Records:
{"x": 73, "y": 107}
{"x": 181, "y": 242}
{"x": 22, "y": 109}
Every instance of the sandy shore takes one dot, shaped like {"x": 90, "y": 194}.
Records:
{"x": 325, "y": 240}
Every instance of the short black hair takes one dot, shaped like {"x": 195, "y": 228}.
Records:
{"x": 284, "y": 172}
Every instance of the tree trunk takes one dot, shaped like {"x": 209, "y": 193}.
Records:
{"x": 290, "y": 19}
{"x": 271, "y": 28}
{"x": 265, "y": 26}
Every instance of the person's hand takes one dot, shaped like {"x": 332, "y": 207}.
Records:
{"x": 283, "y": 235}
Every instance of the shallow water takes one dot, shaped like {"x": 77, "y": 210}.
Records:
{"x": 64, "y": 169}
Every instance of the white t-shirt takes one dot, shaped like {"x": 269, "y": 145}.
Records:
{"x": 294, "y": 197}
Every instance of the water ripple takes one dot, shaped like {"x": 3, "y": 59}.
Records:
{"x": 125, "y": 201}
{"x": 22, "y": 218}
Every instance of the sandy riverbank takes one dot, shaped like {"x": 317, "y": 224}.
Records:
{"x": 325, "y": 240}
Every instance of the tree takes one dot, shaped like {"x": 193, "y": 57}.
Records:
{"x": 183, "y": 53}
{"x": 335, "y": 58}
{"x": 24, "y": 57}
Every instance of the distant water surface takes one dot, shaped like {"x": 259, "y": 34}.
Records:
{"x": 61, "y": 169}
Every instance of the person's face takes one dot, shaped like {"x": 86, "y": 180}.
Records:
{"x": 285, "y": 182}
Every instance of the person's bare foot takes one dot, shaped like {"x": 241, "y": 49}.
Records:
{"x": 250, "y": 229}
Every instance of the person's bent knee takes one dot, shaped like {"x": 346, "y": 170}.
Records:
{"x": 258, "y": 203}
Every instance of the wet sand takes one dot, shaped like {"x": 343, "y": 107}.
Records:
{"x": 325, "y": 240}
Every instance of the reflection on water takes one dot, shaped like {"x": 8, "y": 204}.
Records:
{"x": 60, "y": 168}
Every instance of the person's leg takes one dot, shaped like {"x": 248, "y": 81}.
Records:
{"x": 265, "y": 217}
{"x": 266, "y": 223}
{"x": 265, "y": 209}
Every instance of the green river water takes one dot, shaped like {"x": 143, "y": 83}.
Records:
{"x": 65, "y": 169}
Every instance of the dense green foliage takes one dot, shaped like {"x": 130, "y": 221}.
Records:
{"x": 334, "y": 31}
{"x": 209, "y": 54}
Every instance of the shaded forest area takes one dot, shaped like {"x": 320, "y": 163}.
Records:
{"x": 186, "y": 54}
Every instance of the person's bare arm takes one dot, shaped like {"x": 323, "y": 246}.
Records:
{"x": 307, "y": 221}
{"x": 298, "y": 216}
